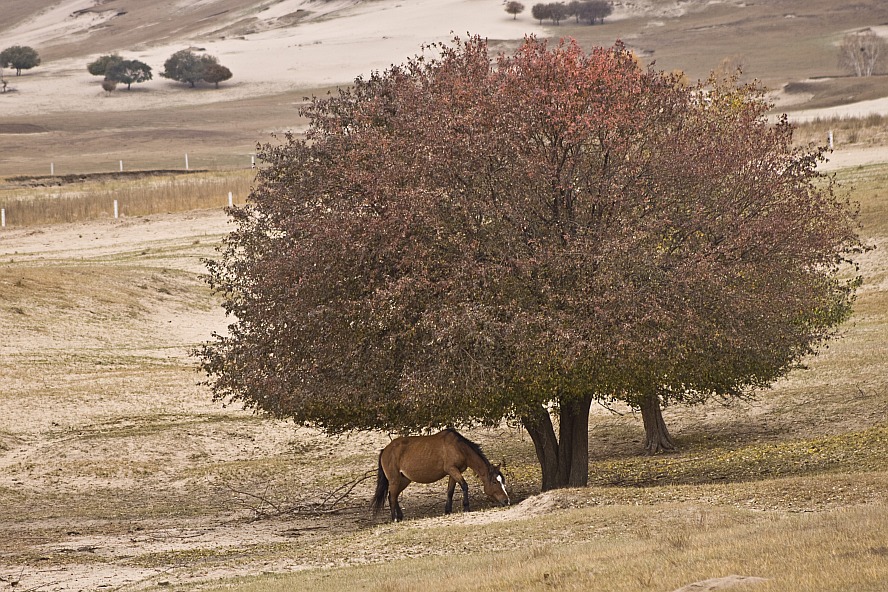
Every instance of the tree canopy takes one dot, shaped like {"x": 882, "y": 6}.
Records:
{"x": 514, "y": 8}
{"x": 129, "y": 72}
{"x": 186, "y": 66}
{"x": 102, "y": 64}
{"x": 466, "y": 239}
{"x": 20, "y": 58}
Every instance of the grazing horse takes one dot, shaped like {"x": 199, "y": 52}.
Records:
{"x": 426, "y": 459}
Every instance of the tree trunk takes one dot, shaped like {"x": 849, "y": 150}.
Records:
{"x": 656, "y": 436}
{"x": 564, "y": 463}
{"x": 542, "y": 433}
{"x": 574, "y": 428}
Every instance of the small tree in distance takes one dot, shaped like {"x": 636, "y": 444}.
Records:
{"x": 186, "y": 66}
{"x": 183, "y": 66}
{"x": 589, "y": 10}
{"x": 541, "y": 11}
{"x": 514, "y": 8}
{"x": 214, "y": 73}
{"x": 129, "y": 72}
{"x": 101, "y": 65}
{"x": 595, "y": 10}
{"x": 19, "y": 57}
{"x": 863, "y": 54}
{"x": 557, "y": 12}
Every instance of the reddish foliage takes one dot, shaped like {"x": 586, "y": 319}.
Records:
{"x": 460, "y": 239}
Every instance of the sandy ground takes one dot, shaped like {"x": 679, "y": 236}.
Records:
{"x": 117, "y": 470}
{"x": 271, "y": 55}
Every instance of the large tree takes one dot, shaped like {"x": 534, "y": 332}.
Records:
{"x": 462, "y": 240}
{"x": 19, "y": 57}
{"x": 750, "y": 243}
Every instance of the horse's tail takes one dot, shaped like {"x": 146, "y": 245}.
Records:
{"x": 382, "y": 485}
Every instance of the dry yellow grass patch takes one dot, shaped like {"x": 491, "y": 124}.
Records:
{"x": 36, "y": 202}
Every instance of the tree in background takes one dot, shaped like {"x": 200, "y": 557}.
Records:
{"x": 591, "y": 11}
{"x": 100, "y": 66}
{"x": 514, "y": 8}
{"x": 186, "y": 66}
{"x": 19, "y": 57}
{"x": 214, "y": 72}
{"x": 541, "y": 12}
{"x": 129, "y": 72}
{"x": 595, "y": 10}
{"x": 557, "y": 12}
{"x": 863, "y": 54}
{"x": 462, "y": 240}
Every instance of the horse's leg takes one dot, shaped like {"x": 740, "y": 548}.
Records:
{"x": 451, "y": 487}
{"x": 395, "y": 489}
{"x": 456, "y": 477}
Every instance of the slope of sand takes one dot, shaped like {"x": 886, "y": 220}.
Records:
{"x": 346, "y": 40}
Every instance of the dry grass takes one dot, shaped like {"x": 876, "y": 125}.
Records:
{"x": 622, "y": 548}
{"x": 847, "y": 131}
{"x": 93, "y": 198}
{"x": 107, "y": 434}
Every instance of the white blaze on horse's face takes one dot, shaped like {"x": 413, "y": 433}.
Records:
{"x": 502, "y": 483}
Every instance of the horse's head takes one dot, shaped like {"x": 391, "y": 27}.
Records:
{"x": 495, "y": 486}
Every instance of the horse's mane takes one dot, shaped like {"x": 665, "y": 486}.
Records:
{"x": 470, "y": 444}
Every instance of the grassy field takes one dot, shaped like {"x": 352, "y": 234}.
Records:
{"x": 118, "y": 471}
{"x": 36, "y": 201}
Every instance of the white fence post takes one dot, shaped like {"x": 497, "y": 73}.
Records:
{"x": 230, "y": 200}
{"x": 830, "y": 139}
{"x": 2, "y": 217}
{"x": 52, "y": 169}
{"x": 186, "y": 162}
{"x": 116, "y": 210}
{"x": 121, "y": 166}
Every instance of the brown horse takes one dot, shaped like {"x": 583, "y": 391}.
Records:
{"x": 426, "y": 459}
